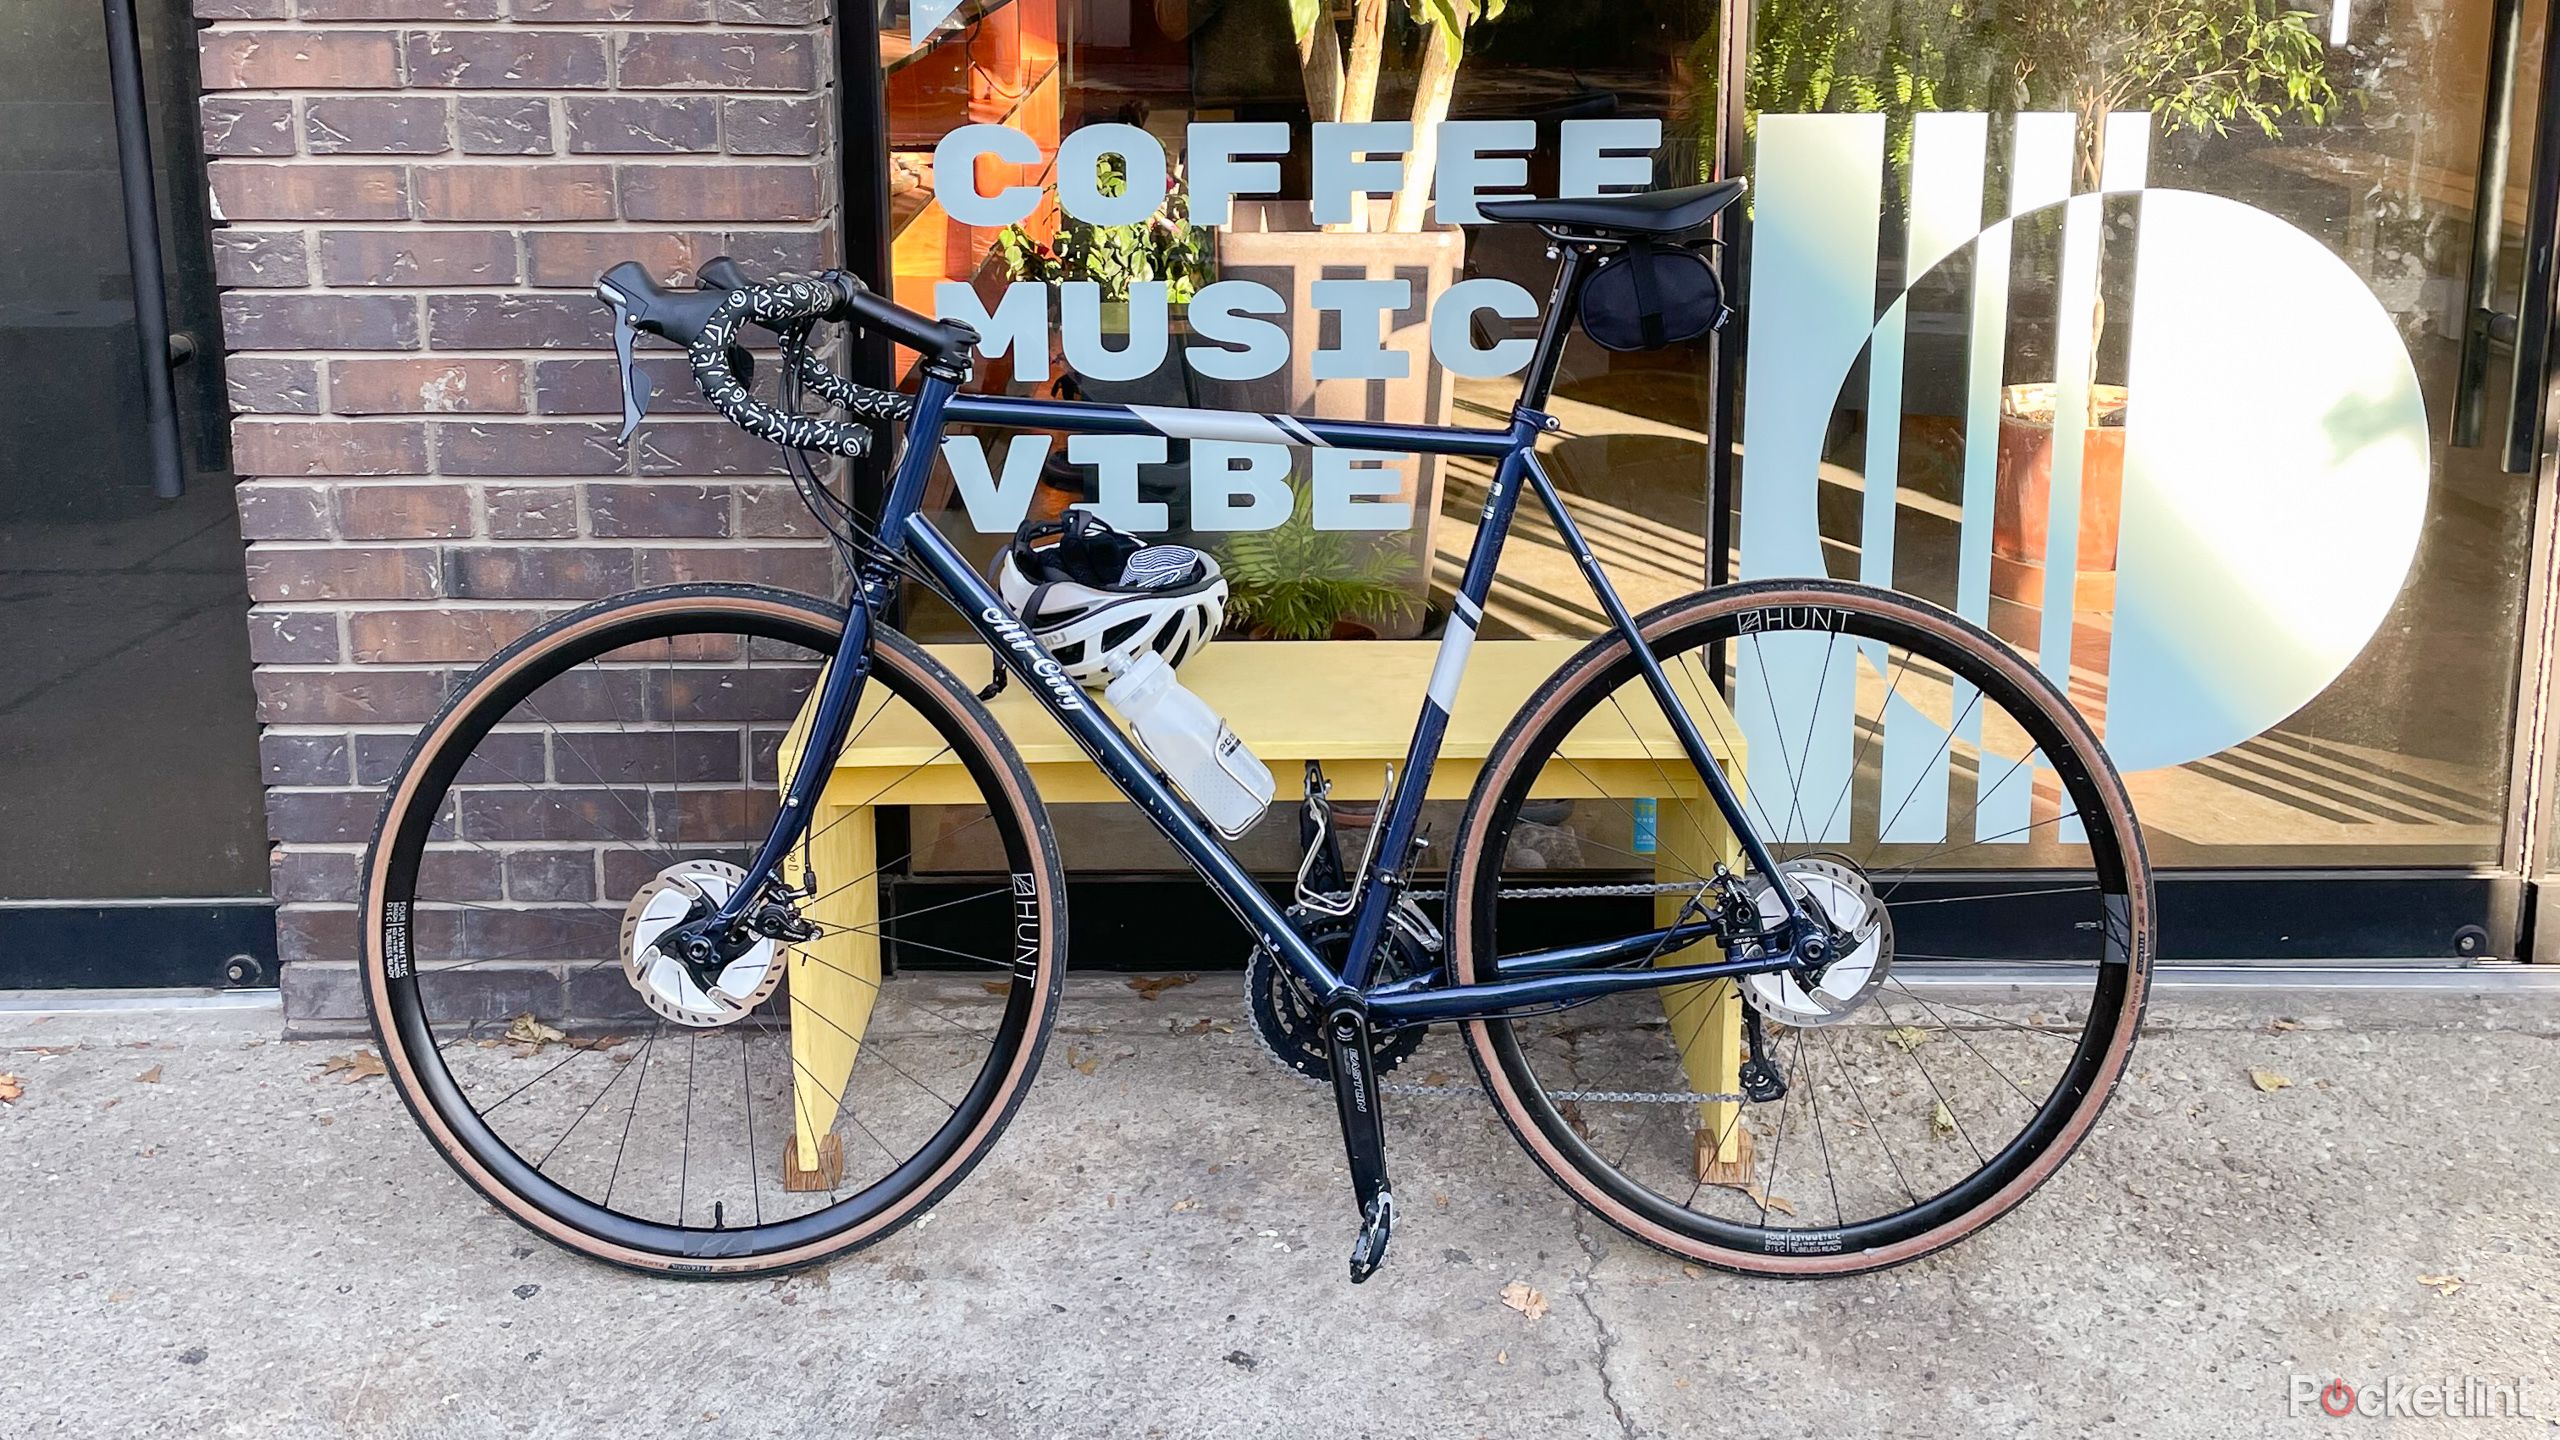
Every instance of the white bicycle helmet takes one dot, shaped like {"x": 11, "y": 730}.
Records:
{"x": 1096, "y": 598}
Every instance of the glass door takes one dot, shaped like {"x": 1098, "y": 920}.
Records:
{"x": 128, "y": 745}
{"x": 2158, "y": 337}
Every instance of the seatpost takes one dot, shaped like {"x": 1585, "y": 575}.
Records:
{"x": 1549, "y": 356}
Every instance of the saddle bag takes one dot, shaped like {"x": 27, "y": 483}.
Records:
{"x": 1650, "y": 295}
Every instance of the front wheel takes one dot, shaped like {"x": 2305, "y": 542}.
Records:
{"x": 611, "y": 775}
{"x": 1938, "y": 801}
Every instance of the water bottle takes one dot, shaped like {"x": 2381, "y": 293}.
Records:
{"x": 1197, "y": 751}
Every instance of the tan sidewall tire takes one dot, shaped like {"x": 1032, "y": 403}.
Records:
{"x": 891, "y": 652}
{"x": 1678, "y": 615}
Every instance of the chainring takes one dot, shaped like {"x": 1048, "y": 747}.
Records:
{"x": 1285, "y": 1017}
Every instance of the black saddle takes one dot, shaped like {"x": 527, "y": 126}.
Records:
{"x": 1654, "y": 213}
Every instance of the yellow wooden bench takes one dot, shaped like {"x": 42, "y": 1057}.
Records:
{"x": 1349, "y": 706}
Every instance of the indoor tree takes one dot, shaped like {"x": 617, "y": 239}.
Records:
{"x": 1342, "y": 82}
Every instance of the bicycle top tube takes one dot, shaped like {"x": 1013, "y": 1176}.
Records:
{"x": 1085, "y": 417}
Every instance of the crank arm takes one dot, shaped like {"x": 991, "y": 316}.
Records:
{"x": 1364, "y": 1138}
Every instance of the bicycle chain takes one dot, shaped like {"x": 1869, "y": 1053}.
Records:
{"x": 1596, "y": 1097}
{"x": 1574, "y": 892}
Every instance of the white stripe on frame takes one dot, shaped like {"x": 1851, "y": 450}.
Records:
{"x": 1237, "y": 425}
{"x": 1452, "y": 662}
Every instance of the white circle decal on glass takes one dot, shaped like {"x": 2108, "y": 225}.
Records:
{"x": 2275, "y": 478}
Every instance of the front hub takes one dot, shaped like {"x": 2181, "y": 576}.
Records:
{"x": 655, "y": 928}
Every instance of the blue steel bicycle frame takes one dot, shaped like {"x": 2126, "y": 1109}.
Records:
{"x": 1536, "y": 979}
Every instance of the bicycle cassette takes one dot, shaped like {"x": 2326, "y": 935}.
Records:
{"x": 1285, "y": 1017}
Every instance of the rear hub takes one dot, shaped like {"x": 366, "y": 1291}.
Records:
{"x": 1857, "y": 950}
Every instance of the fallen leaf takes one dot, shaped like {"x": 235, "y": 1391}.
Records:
{"x": 1529, "y": 1302}
{"x": 1436, "y": 1078}
{"x": 1766, "y": 1201}
{"x": 532, "y": 1033}
{"x": 1692, "y": 1271}
{"x": 996, "y": 987}
{"x": 1151, "y": 986}
{"x": 362, "y": 1065}
{"x": 1906, "y": 1038}
{"x": 1942, "y": 1121}
{"x": 1181, "y": 1205}
{"x": 598, "y": 1042}
{"x": 1501, "y": 1357}
{"x": 2282, "y": 1023}
{"x": 148, "y": 1077}
{"x": 1083, "y": 1064}
{"x": 2441, "y": 1284}
{"x": 11, "y": 1087}
{"x": 2269, "y": 1081}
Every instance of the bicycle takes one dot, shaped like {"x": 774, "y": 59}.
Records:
{"x": 605, "y": 804}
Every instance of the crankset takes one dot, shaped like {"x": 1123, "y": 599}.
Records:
{"x": 1286, "y": 1018}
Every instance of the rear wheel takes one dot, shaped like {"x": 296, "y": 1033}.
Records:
{"x": 1943, "y": 806}
{"x": 614, "y": 772}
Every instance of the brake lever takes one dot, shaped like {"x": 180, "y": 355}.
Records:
{"x": 635, "y": 385}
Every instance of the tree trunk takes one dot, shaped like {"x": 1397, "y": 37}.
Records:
{"x": 1368, "y": 47}
{"x": 1360, "y": 82}
{"x": 1320, "y": 68}
{"x": 1431, "y": 92}
{"x": 2092, "y": 153}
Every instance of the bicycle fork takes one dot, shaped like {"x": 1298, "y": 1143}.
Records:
{"x": 1364, "y": 1135}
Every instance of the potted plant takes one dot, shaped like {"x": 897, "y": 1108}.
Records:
{"x": 1296, "y": 582}
{"x": 1342, "y": 58}
{"x": 2202, "y": 65}
{"x": 1164, "y": 246}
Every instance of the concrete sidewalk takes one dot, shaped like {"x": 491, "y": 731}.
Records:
{"x": 246, "y": 1246}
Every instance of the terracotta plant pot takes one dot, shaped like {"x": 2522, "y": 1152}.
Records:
{"x": 2024, "y": 497}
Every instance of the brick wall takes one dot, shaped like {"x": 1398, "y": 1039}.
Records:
{"x": 413, "y": 197}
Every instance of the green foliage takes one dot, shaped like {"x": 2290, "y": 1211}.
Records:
{"x": 1449, "y": 19}
{"x": 2197, "y": 64}
{"x": 1294, "y": 581}
{"x": 1164, "y": 246}
{"x": 2202, "y": 65}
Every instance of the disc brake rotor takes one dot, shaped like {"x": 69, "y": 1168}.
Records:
{"x": 662, "y": 980}
{"x": 1842, "y": 895}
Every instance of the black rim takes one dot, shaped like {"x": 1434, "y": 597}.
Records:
{"x": 1848, "y": 615}
{"x": 1026, "y": 997}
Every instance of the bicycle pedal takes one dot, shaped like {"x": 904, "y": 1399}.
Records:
{"x": 1377, "y": 1226}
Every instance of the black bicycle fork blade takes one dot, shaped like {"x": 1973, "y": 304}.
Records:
{"x": 1364, "y": 1140}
